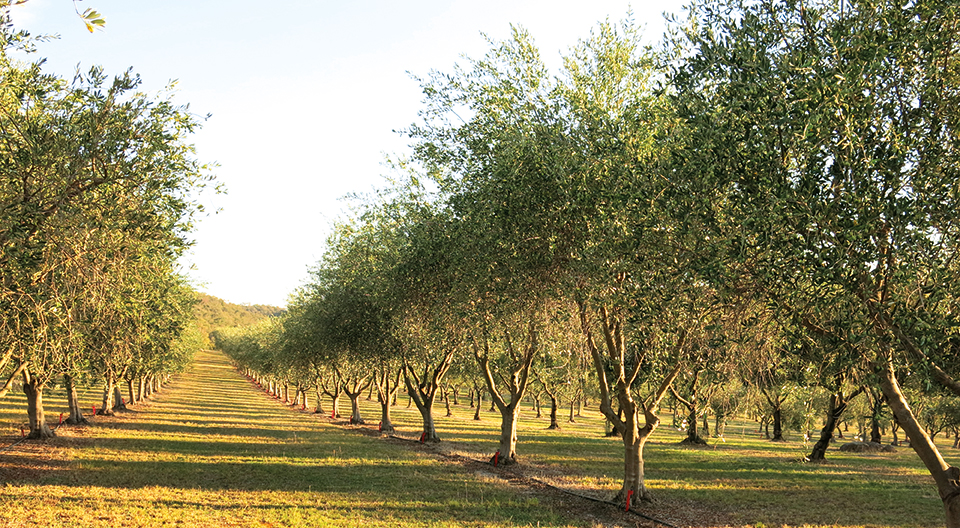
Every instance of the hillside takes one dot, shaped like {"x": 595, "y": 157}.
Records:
{"x": 213, "y": 313}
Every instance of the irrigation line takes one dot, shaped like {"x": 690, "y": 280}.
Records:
{"x": 521, "y": 476}
{"x": 23, "y": 438}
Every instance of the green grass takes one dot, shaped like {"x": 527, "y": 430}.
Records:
{"x": 742, "y": 480}
{"x": 211, "y": 450}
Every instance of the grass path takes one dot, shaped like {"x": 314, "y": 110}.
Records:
{"x": 211, "y": 450}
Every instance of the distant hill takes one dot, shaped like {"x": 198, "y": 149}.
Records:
{"x": 213, "y": 313}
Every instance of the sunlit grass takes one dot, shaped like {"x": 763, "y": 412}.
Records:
{"x": 745, "y": 476}
{"x": 211, "y": 450}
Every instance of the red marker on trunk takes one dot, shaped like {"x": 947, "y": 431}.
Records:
{"x": 61, "y": 419}
{"x": 629, "y": 494}
{"x": 94, "y": 409}
{"x": 22, "y": 432}
{"x": 496, "y": 458}
{"x": 423, "y": 437}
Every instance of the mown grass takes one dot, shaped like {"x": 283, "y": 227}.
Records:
{"x": 744, "y": 479}
{"x": 212, "y": 451}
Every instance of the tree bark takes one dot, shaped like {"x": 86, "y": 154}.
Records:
{"x": 634, "y": 437}
{"x": 693, "y": 433}
{"x": 517, "y": 383}
{"x": 319, "y": 409}
{"x": 130, "y": 392}
{"x": 386, "y": 392}
{"x": 553, "y": 412}
{"x": 118, "y": 403}
{"x": 73, "y": 402}
{"x": 423, "y": 391}
{"x": 838, "y": 404}
{"x": 107, "y": 405}
{"x": 355, "y": 417}
{"x": 33, "y": 390}
{"x": 947, "y": 478}
{"x": 476, "y": 412}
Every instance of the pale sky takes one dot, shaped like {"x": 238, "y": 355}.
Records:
{"x": 304, "y": 96}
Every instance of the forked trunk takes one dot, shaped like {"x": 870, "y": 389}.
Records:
{"x": 33, "y": 390}
{"x": 429, "y": 432}
{"x": 73, "y": 402}
{"x": 422, "y": 395}
{"x": 386, "y": 393}
{"x": 838, "y": 403}
{"x": 355, "y": 417}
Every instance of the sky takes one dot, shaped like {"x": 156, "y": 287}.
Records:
{"x": 304, "y": 100}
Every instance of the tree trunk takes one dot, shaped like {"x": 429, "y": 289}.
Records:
{"x": 507, "y": 452}
{"x": 875, "y": 413}
{"x": 692, "y": 405}
{"x": 33, "y": 390}
{"x": 386, "y": 392}
{"x": 429, "y": 430}
{"x": 572, "y": 405}
{"x": 446, "y": 400}
{"x": 947, "y": 478}
{"x": 130, "y": 391}
{"x": 355, "y": 417}
{"x": 476, "y": 412}
{"x": 720, "y": 423}
{"x": 838, "y": 403}
{"x": 118, "y": 403}
{"x": 73, "y": 402}
{"x": 319, "y": 409}
{"x": 777, "y": 424}
{"x": 107, "y": 406}
{"x": 334, "y": 402}
{"x": 553, "y": 413}
{"x": 141, "y": 385}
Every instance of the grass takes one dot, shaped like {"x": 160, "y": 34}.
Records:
{"x": 742, "y": 480}
{"x": 211, "y": 450}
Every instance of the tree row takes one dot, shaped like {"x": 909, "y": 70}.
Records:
{"x": 97, "y": 195}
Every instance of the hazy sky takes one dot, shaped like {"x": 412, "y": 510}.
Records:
{"x": 304, "y": 96}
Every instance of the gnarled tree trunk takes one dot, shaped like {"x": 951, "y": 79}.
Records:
{"x": 33, "y": 390}
{"x": 517, "y": 384}
{"x": 423, "y": 390}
